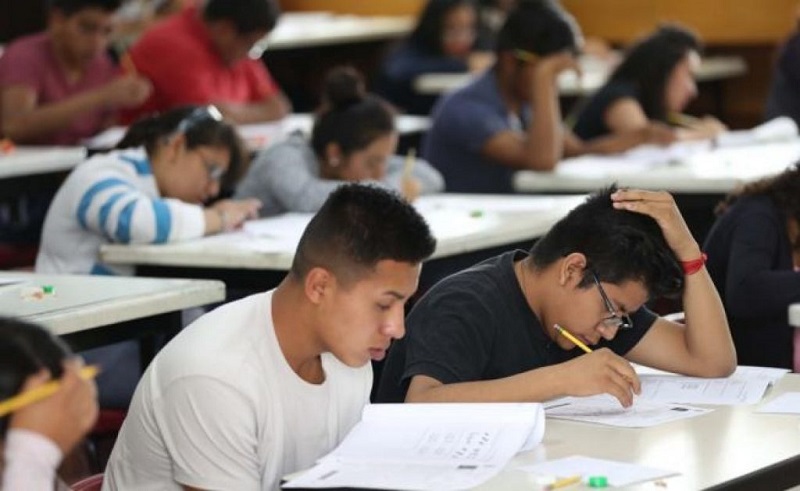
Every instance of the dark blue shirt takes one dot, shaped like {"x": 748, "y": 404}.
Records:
{"x": 462, "y": 122}
{"x": 590, "y": 122}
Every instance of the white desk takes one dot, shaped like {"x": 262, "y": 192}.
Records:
{"x": 711, "y": 171}
{"x": 30, "y": 160}
{"x": 729, "y": 448}
{"x": 712, "y": 69}
{"x": 261, "y": 136}
{"x": 82, "y": 304}
{"x": 308, "y": 29}
{"x": 503, "y": 220}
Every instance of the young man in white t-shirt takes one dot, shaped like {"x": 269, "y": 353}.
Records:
{"x": 264, "y": 386}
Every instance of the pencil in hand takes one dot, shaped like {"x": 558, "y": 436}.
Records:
{"x": 577, "y": 342}
{"x": 29, "y": 397}
{"x": 411, "y": 160}
{"x": 684, "y": 120}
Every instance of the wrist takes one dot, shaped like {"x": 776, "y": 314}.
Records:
{"x": 692, "y": 266}
{"x": 224, "y": 220}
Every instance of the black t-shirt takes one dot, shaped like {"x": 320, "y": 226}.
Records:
{"x": 590, "y": 122}
{"x": 476, "y": 325}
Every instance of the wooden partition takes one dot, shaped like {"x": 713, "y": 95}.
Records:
{"x": 727, "y": 22}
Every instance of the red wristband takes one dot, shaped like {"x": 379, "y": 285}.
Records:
{"x": 695, "y": 265}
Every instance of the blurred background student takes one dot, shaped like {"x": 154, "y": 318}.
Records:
{"x": 353, "y": 139}
{"x": 151, "y": 189}
{"x": 201, "y": 56}
{"x": 36, "y": 437}
{"x": 784, "y": 91}
{"x": 648, "y": 91}
{"x": 754, "y": 259}
{"x": 444, "y": 41}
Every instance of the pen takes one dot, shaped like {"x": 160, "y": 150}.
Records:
{"x": 683, "y": 120}
{"x": 42, "y": 392}
{"x": 408, "y": 168}
{"x": 577, "y": 342}
{"x": 564, "y": 482}
{"x": 126, "y": 63}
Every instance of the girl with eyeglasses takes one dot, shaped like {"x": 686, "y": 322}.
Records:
{"x": 151, "y": 189}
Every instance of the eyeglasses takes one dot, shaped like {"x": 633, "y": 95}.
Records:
{"x": 526, "y": 56}
{"x": 614, "y": 319}
{"x": 214, "y": 170}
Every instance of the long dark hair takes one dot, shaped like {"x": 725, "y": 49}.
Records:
{"x": 649, "y": 63}
{"x": 201, "y": 125}
{"x": 783, "y": 189}
{"x": 24, "y": 350}
{"x": 349, "y": 116}
{"x": 427, "y": 35}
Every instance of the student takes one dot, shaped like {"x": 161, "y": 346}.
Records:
{"x": 36, "y": 437}
{"x": 649, "y": 90}
{"x": 201, "y": 57}
{"x": 443, "y": 41}
{"x": 509, "y": 117}
{"x": 784, "y": 91}
{"x": 151, "y": 189}
{"x": 753, "y": 260}
{"x": 488, "y": 333}
{"x": 353, "y": 139}
{"x": 59, "y": 86}
{"x": 264, "y": 386}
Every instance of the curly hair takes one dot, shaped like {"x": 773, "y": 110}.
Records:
{"x": 783, "y": 189}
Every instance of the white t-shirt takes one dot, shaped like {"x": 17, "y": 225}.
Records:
{"x": 220, "y": 408}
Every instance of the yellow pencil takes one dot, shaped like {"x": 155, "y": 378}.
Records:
{"x": 577, "y": 342}
{"x": 411, "y": 159}
{"x": 126, "y": 63}
{"x": 42, "y": 392}
{"x": 683, "y": 120}
{"x": 564, "y": 482}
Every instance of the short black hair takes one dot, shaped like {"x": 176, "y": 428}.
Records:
{"x": 25, "y": 349}
{"x": 427, "y": 35}
{"x": 619, "y": 246}
{"x": 69, "y": 7}
{"x": 649, "y": 63}
{"x": 541, "y": 27}
{"x": 246, "y": 15}
{"x": 349, "y": 116}
{"x": 358, "y": 226}
{"x": 201, "y": 125}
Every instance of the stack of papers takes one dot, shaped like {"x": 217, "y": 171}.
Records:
{"x": 606, "y": 410}
{"x": 617, "y": 473}
{"x": 427, "y": 446}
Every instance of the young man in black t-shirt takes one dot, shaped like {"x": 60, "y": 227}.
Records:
{"x": 488, "y": 333}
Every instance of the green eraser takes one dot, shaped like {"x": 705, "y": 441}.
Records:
{"x": 598, "y": 482}
{"x": 48, "y": 289}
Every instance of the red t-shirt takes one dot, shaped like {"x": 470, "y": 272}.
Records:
{"x": 31, "y": 62}
{"x": 178, "y": 58}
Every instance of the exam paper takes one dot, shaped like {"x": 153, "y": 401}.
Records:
{"x": 747, "y": 385}
{"x": 427, "y": 446}
{"x": 617, "y": 473}
{"x": 606, "y": 410}
{"x": 787, "y": 403}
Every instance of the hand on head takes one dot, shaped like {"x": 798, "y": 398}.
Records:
{"x": 64, "y": 417}
{"x": 662, "y": 208}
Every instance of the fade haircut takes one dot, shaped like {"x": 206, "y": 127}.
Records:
{"x": 619, "y": 246}
{"x": 246, "y": 15}
{"x": 358, "y": 226}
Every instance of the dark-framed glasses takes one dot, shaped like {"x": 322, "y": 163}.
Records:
{"x": 614, "y": 319}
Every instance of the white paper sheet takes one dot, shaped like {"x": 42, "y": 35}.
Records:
{"x": 427, "y": 446}
{"x": 617, "y": 473}
{"x": 606, "y": 410}
{"x": 787, "y": 403}
{"x": 747, "y": 385}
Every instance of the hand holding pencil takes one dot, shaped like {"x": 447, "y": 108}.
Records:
{"x": 409, "y": 185}
{"x": 62, "y": 411}
{"x": 597, "y": 372}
